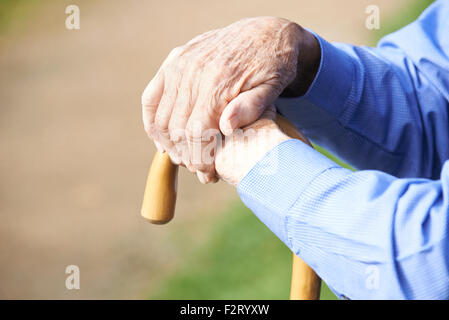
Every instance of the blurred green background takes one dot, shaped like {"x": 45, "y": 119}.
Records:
{"x": 243, "y": 248}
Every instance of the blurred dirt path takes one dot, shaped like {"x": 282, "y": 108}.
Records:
{"x": 74, "y": 154}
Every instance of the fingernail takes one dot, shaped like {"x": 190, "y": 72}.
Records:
{"x": 159, "y": 147}
{"x": 175, "y": 159}
{"x": 202, "y": 177}
{"x": 230, "y": 125}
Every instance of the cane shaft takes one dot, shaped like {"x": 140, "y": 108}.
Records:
{"x": 305, "y": 284}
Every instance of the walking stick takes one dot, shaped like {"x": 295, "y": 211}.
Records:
{"x": 159, "y": 201}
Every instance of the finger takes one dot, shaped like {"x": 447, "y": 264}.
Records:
{"x": 164, "y": 110}
{"x": 246, "y": 108}
{"x": 201, "y": 142}
{"x": 185, "y": 101}
{"x": 151, "y": 97}
{"x": 202, "y": 129}
{"x": 174, "y": 157}
{"x": 206, "y": 177}
{"x": 182, "y": 109}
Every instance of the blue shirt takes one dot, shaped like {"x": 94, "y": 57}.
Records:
{"x": 382, "y": 232}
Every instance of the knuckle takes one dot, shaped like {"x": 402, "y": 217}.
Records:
{"x": 149, "y": 129}
{"x": 172, "y": 127}
{"x": 163, "y": 139}
{"x": 189, "y": 132}
{"x": 176, "y": 132}
{"x": 193, "y": 131}
{"x": 161, "y": 124}
{"x": 145, "y": 99}
{"x": 175, "y": 57}
{"x": 214, "y": 73}
{"x": 176, "y": 51}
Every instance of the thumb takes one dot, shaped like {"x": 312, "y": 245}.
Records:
{"x": 246, "y": 108}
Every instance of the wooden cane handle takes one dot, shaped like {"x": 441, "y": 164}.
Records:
{"x": 159, "y": 201}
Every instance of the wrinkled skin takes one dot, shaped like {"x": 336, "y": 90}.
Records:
{"x": 219, "y": 81}
{"x": 239, "y": 152}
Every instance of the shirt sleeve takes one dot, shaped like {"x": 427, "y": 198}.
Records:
{"x": 367, "y": 234}
{"x": 383, "y": 108}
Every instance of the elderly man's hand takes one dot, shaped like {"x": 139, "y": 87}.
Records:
{"x": 239, "y": 152}
{"x": 223, "y": 79}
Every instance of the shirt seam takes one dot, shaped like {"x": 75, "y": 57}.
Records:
{"x": 286, "y": 214}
